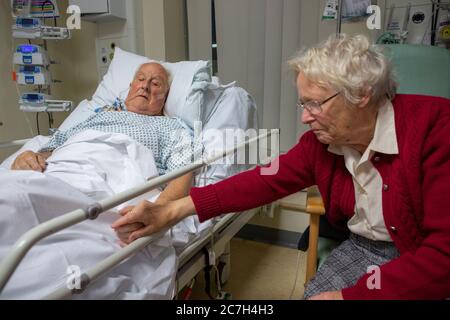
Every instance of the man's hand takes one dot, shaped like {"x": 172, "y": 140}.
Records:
{"x": 147, "y": 218}
{"x": 30, "y": 160}
{"x": 124, "y": 232}
{"x": 330, "y": 295}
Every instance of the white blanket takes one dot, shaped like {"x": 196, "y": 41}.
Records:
{"x": 103, "y": 164}
{"x": 89, "y": 167}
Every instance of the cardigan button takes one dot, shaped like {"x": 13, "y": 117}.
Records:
{"x": 377, "y": 159}
{"x": 393, "y": 229}
{"x": 385, "y": 187}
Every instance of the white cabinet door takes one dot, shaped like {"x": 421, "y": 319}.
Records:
{"x": 92, "y": 7}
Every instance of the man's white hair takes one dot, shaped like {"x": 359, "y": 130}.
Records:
{"x": 350, "y": 65}
{"x": 169, "y": 75}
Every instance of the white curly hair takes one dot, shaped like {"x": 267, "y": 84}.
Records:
{"x": 350, "y": 65}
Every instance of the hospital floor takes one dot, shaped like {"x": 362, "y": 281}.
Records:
{"x": 260, "y": 271}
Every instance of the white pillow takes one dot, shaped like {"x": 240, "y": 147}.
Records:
{"x": 82, "y": 112}
{"x": 234, "y": 109}
{"x": 185, "y": 95}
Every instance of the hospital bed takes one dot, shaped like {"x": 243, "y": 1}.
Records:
{"x": 196, "y": 245}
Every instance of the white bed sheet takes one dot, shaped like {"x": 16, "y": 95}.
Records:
{"x": 143, "y": 276}
{"x": 103, "y": 165}
{"x": 30, "y": 198}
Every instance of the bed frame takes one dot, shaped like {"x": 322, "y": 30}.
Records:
{"x": 191, "y": 260}
{"x": 194, "y": 257}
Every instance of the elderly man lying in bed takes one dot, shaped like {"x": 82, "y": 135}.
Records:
{"x": 111, "y": 151}
{"x": 141, "y": 118}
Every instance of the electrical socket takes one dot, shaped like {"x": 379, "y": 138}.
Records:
{"x": 105, "y": 52}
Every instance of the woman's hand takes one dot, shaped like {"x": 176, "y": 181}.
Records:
{"x": 124, "y": 232}
{"x": 147, "y": 218}
{"x": 330, "y": 295}
{"x": 30, "y": 160}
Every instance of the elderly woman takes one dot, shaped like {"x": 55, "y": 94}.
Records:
{"x": 381, "y": 162}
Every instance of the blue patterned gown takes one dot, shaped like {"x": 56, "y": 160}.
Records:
{"x": 170, "y": 142}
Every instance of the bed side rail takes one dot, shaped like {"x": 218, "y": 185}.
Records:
{"x": 107, "y": 264}
{"x": 27, "y": 240}
{"x": 14, "y": 143}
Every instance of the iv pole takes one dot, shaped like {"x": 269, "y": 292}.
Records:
{"x": 339, "y": 18}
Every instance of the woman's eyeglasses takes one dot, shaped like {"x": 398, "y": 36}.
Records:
{"x": 315, "y": 107}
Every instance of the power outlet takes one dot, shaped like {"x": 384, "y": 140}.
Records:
{"x": 105, "y": 53}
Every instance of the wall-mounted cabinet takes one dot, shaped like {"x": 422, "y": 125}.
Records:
{"x": 101, "y": 10}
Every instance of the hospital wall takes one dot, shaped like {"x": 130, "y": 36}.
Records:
{"x": 164, "y": 34}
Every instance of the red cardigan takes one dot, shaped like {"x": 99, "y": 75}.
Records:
{"x": 416, "y": 197}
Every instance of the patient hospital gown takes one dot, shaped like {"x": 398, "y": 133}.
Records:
{"x": 171, "y": 144}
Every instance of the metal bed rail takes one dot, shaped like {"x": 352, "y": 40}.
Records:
{"x": 27, "y": 240}
{"x": 14, "y": 143}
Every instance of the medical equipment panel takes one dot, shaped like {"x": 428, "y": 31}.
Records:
{"x": 443, "y": 24}
{"x": 31, "y": 61}
{"x": 27, "y": 28}
{"x": 29, "y": 54}
{"x": 39, "y": 102}
{"x": 34, "y": 8}
{"x": 416, "y": 22}
{"x": 34, "y": 99}
{"x": 55, "y": 33}
{"x": 33, "y": 75}
{"x": 44, "y": 9}
{"x": 32, "y": 28}
{"x": 21, "y": 8}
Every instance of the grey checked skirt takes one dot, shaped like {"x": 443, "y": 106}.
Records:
{"x": 349, "y": 262}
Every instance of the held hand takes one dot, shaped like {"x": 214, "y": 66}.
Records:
{"x": 29, "y": 160}
{"x": 124, "y": 232}
{"x": 331, "y": 295}
{"x": 147, "y": 218}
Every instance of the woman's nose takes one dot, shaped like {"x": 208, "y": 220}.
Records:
{"x": 306, "y": 117}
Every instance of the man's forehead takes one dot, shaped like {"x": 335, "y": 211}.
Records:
{"x": 154, "y": 68}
